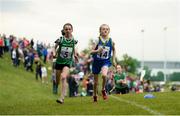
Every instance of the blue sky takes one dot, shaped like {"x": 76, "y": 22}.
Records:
{"x": 43, "y": 20}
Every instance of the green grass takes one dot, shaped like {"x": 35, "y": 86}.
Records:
{"x": 20, "y": 93}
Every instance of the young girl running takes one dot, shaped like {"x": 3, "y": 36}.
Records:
{"x": 103, "y": 53}
{"x": 65, "y": 52}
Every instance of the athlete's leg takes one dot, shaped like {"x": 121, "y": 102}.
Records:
{"x": 95, "y": 84}
{"x": 96, "y": 68}
{"x": 58, "y": 76}
{"x": 64, "y": 75}
{"x": 95, "y": 87}
{"x": 104, "y": 75}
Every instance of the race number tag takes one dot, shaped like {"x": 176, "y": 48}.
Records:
{"x": 105, "y": 53}
{"x": 66, "y": 52}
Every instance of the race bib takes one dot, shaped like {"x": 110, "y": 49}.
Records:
{"x": 66, "y": 52}
{"x": 105, "y": 53}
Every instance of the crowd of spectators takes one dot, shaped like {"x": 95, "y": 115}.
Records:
{"x": 80, "y": 81}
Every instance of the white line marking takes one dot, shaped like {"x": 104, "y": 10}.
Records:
{"x": 137, "y": 105}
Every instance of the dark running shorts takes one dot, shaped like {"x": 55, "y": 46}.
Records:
{"x": 61, "y": 66}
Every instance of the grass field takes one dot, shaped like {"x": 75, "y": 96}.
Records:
{"x": 20, "y": 93}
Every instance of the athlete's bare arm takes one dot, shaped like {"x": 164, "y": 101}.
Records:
{"x": 93, "y": 51}
{"x": 114, "y": 54}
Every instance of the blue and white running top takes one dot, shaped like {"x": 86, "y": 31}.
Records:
{"x": 103, "y": 58}
{"x": 107, "y": 50}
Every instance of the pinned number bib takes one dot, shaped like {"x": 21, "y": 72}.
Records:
{"x": 105, "y": 53}
{"x": 66, "y": 52}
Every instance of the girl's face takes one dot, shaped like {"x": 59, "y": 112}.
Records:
{"x": 104, "y": 30}
{"x": 68, "y": 30}
{"x": 119, "y": 69}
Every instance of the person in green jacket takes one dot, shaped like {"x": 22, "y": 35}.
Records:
{"x": 120, "y": 81}
{"x": 65, "y": 53}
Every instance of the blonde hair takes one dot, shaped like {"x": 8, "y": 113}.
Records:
{"x": 103, "y": 25}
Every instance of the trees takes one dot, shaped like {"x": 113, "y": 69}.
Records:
{"x": 130, "y": 64}
{"x": 175, "y": 76}
{"x": 158, "y": 77}
{"x": 148, "y": 73}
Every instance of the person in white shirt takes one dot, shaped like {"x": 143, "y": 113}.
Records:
{"x": 44, "y": 74}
